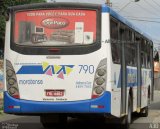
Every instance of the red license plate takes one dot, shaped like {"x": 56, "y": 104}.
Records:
{"x": 55, "y": 93}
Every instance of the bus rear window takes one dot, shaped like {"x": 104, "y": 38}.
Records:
{"x": 55, "y": 27}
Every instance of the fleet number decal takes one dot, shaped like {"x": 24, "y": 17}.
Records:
{"x": 86, "y": 69}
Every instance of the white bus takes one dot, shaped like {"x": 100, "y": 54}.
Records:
{"x": 67, "y": 58}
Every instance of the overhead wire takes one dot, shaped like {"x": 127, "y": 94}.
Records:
{"x": 144, "y": 20}
{"x": 156, "y": 3}
{"x": 153, "y": 12}
{"x": 118, "y": 10}
{"x": 151, "y": 6}
{"x": 143, "y": 17}
{"x": 146, "y": 10}
{"x": 124, "y": 6}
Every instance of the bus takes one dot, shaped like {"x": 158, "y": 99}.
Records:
{"x": 69, "y": 59}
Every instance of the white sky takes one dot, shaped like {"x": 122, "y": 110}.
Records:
{"x": 143, "y": 10}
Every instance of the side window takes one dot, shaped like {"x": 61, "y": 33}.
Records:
{"x": 134, "y": 52}
{"x": 115, "y": 45}
{"x": 148, "y": 55}
{"x": 130, "y": 49}
{"x": 137, "y": 41}
{"x": 143, "y": 53}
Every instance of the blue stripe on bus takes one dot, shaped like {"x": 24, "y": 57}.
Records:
{"x": 105, "y": 8}
{"x": 37, "y": 69}
{"x": 83, "y": 106}
{"x": 131, "y": 78}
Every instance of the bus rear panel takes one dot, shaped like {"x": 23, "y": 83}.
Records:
{"x": 54, "y": 60}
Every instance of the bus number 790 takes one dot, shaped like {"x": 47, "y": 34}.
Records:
{"x": 86, "y": 69}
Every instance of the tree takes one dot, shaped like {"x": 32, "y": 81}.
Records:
{"x": 4, "y": 4}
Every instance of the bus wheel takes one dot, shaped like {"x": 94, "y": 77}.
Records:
{"x": 144, "y": 111}
{"x": 127, "y": 120}
{"x": 55, "y": 120}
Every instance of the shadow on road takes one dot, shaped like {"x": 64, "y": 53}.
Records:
{"x": 71, "y": 124}
{"x": 155, "y": 106}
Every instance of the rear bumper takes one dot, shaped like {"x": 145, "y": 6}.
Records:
{"x": 17, "y": 106}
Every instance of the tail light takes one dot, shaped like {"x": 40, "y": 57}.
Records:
{"x": 99, "y": 85}
{"x": 11, "y": 79}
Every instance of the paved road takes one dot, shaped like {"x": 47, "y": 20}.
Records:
{"x": 33, "y": 122}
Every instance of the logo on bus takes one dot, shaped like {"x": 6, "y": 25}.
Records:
{"x": 60, "y": 70}
{"x": 55, "y": 23}
{"x": 45, "y": 68}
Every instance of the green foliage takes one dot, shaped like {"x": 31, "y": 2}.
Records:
{"x": 4, "y": 4}
{"x": 1, "y": 105}
{"x": 2, "y": 29}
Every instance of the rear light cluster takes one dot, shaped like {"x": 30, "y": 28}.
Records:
{"x": 99, "y": 84}
{"x": 11, "y": 80}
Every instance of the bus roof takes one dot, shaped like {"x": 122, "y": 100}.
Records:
{"x": 105, "y": 8}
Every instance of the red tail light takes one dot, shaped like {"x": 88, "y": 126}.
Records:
{"x": 11, "y": 79}
{"x": 99, "y": 84}
{"x": 54, "y": 50}
{"x": 16, "y": 96}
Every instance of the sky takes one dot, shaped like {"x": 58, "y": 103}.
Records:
{"x": 144, "y": 14}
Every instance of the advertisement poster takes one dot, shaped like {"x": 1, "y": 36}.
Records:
{"x": 55, "y": 27}
{"x": 1, "y": 76}
{"x": 1, "y": 82}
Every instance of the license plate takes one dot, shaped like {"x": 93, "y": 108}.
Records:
{"x": 55, "y": 93}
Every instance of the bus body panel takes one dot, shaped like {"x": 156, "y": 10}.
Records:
{"x": 31, "y": 77}
{"x": 30, "y": 80}
{"x": 74, "y": 74}
{"x": 39, "y": 75}
{"x": 16, "y": 106}
{"x": 7, "y": 47}
{"x": 116, "y": 92}
{"x": 146, "y": 84}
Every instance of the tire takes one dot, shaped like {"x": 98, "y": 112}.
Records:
{"x": 129, "y": 116}
{"x": 51, "y": 121}
{"x": 144, "y": 111}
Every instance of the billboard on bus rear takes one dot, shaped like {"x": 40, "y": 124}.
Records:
{"x": 55, "y": 27}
